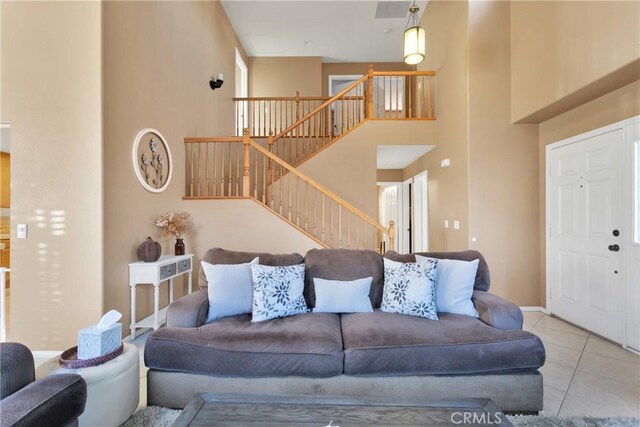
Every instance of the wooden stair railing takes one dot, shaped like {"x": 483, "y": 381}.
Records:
{"x": 389, "y": 95}
{"x": 239, "y": 167}
{"x": 264, "y": 114}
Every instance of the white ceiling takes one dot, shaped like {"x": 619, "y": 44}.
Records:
{"x": 337, "y": 31}
{"x": 400, "y": 156}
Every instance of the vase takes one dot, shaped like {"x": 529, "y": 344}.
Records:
{"x": 179, "y": 248}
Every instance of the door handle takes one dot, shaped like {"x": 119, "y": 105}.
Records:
{"x": 614, "y": 248}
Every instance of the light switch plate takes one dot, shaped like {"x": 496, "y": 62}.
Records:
{"x": 456, "y": 225}
{"x": 445, "y": 163}
{"x": 22, "y": 231}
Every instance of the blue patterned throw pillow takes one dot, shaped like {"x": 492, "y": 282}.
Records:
{"x": 409, "y": 288}
{"x": 277, "y": 291}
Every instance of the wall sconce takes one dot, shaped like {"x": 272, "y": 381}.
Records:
{"x": 217, "y": 82}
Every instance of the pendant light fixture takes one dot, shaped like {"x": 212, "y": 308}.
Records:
{"x": 414, "y": 38}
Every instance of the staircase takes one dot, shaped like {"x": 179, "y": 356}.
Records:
{"x": 262, "y": 165}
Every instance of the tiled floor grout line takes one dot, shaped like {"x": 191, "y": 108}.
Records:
{"x": 573, "y": 376}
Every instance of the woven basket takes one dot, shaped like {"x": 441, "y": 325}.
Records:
{"x": 69, "y": 359}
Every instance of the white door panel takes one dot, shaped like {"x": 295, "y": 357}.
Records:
{"x": 631, "y": 239}
{"x": 585, "y": 207}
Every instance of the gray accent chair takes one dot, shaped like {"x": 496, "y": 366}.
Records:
{"x": 57, "y": 400}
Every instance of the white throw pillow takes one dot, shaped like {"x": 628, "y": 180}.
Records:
{"x": 277, "y": 291}
{"x": 337, "y": 296}
{"x": 409, "y": 288}
{"x": 230, "y": 288}
{"x": 454, "y": 285}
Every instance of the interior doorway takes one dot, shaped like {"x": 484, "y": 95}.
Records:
{"x": 593, "y": 243}
{"x": 241, "y": 91}
{"x": 407, "y": 203}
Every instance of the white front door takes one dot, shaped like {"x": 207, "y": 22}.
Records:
{"x": 586, "y": 221}
{"x": 631, "y": 239}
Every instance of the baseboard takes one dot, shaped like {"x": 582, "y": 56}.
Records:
{"x": 534, "y": 309}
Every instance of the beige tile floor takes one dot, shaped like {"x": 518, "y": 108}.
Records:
{"x": 583, "y": 376}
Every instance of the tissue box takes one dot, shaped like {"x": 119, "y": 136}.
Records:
{"x": 93, "y": 342}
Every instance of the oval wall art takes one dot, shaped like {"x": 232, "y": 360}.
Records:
{"x": 152, "y": 161}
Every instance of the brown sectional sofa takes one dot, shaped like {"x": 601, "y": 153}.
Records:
{"x": 365, "y": 354}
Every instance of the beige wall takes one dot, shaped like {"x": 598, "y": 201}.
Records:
{"x": 503, "y": 162}
{"x": 447, "y": 44}
{"x": 611, "y": 108}
{"x": 560, "y": 47}
{"x": 389, "y": 175}
{"x": 283, "y": 76}
{"x": 357, "y": 68}
{"x": 348, "y": 167}
{"x": 51, "y": 81}
{"x": 143, "y": 89}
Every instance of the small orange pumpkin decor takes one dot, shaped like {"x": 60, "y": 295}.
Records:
{"x": 149, "y": 250}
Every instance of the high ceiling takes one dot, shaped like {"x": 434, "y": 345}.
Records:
{"x": 337, "y": 31}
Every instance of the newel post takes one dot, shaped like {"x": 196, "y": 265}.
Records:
{"x": 297, "y": 105}
{"x": 392, "y": 235}
{"x": 246, "y": 179}
{"x": 370, "y": 93}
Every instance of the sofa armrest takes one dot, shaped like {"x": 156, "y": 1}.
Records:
{"x": 496, "y": 311}
{"x": 16, "y": 368}
{"x": 190, "y": 311}
{"x": 56, "y": 400}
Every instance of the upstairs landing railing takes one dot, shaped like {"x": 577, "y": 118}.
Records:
{"x": 387, "y": 95}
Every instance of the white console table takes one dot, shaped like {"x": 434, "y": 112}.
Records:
{"x": 154, "y": 273}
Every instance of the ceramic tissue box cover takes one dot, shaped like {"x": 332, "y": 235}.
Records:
{"x": 94, "y": 342}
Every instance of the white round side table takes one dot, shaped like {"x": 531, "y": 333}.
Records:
{"x": 113, "y": 388}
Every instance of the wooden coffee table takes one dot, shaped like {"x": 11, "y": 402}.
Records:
{"x": 208, "y": 409}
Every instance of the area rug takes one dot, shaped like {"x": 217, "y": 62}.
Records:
{"x": 541, "y": 421}
{"x": 152, "y": 416}
{"x": 155, "y": 416}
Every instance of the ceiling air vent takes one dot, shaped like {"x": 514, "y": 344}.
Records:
{"x": 392, "y": 9}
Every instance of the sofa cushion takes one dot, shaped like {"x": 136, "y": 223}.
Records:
{"x": 345, "y": 265}
{"x": 223, "y": 256}
{"x": 483, "y": 279}
{"x": 307, "y": 344}
{"x": 395, "y": 344}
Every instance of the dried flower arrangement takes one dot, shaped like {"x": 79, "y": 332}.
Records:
{"x": 173, "y": 224}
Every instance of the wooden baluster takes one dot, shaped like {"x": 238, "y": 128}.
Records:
{"x": 270, "y": 147}
{"x": 409, "y": 105}
{"x": 289, "y": 196}
{"x": 331, "y": 219}
{"x": 315, "y": 212}
{"x": 348, "y": 231}
{"x": 191, "y": 171}
{"x": 255, "y": 184}
{"x": 297, "y": 199}
{"x": 215, "y": 169}
{"x": 397, "y": 97}
{"x": 306, "y": 206}
{"x": 323, "y": 223}
{"x": 339, "y": 225}
{"x": 229, "y": 182}
{"x": 343, "y": 116}
{"x": 280, "y": 184}
{"x": 246, "y": 178}
{"x": 348, "y": 99}
{"x": 222, "y": 169}
{"x": 370, "y": 92}
{"x": 207, "y": 168}
{"x": 429, "y": 95}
